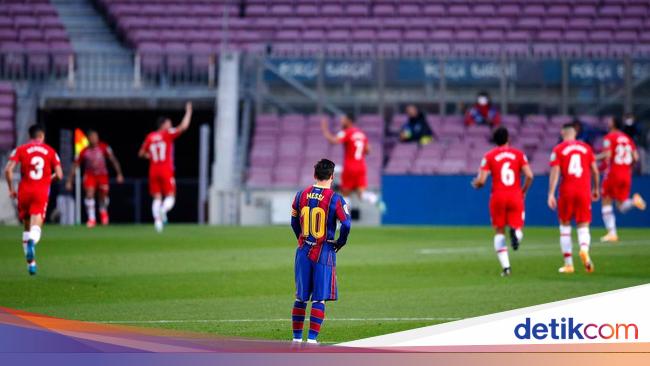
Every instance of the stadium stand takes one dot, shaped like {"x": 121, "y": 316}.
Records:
{"x": 33, "y": 41}
{"x": 277, "y": 155}
{"x": 7, "y": 116}
{"x": 410, "y": 28}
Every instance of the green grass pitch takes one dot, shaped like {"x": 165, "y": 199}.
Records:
{"x": 239, "y": 281}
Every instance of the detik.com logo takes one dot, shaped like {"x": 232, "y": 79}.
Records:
{"x": 569, "y": 328}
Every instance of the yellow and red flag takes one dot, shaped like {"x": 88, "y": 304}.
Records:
{"x": 80, "y": 141}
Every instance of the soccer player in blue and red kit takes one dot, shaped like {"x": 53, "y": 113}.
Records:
{"x": 314, "y": 215}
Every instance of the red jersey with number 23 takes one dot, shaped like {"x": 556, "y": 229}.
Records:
{"x": 37, "y": 161}
{"x": 505, "y": 164}
{"x": 354, "y": 146}
{"x": 160, "y": 147}
{"x": 621, "y": 148}
{"x": 574, "y": 158}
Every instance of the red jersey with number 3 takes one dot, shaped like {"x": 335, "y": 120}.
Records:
{"x": 37, "y": 162}
{"x": 621, "y": 148}
{"x": 160, "y": 147}
{"x": 505, "y": 164}
{"x": 355, "y": 144}
{"x": 574, "y": 158}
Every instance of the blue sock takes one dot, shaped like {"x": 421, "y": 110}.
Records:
{"x": 298, "y": 318}
{"x": 316, "y": 319}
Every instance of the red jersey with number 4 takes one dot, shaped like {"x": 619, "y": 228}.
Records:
{"x": 621, "y": 148}
{"x": 355, "y": 144}
{"x": 160, "y": 147}
{"x": 94, "y": 158}
{"x": 505, "y": 164}
{"x": 37, "y": 162}
{"x": 574, "y": 159}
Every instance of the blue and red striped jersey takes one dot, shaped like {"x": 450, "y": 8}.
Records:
{"x": 314, "y": 214}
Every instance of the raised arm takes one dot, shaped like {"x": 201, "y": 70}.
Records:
{"x": 552, "y": 186}
{"x": 9, "y": 176}
{"x": 324, "y": 124}
{"x": 185, "y": 123}
{"x": 528, "y": 178}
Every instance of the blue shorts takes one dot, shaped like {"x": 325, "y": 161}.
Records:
{"x": 314, "y": 281}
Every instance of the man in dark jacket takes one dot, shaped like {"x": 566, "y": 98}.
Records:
{"x": 416, "y": 128}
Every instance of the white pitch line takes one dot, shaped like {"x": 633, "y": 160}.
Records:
{"x": 265, "y": 320}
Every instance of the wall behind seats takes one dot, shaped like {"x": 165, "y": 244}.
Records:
{"x": 450, "y": 200}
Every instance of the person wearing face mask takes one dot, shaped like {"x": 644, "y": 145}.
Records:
{"x": 483, "y": 112}
{"x": 629, "y": 126}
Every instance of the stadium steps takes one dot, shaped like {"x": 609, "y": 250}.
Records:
{"x": 101, "y": 60}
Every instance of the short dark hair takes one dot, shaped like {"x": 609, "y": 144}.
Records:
{"x": 618, "y": 123}
{"x": 161, "y": 120}
{"x": 324, "y": 169}
{"x": 35, "y": 130}
{"x": 351, "y": 117}
{"x": 483, "y": 93}
{"x": 90, "y": 131}
{"x": 500, "y": 136}
{"x": 570, "y": 124}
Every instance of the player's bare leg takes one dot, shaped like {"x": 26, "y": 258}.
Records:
{"x": 103, "y": 207}
{"x": 89, "y": 202}
{"x": 33, "y": 227}
{"x": 567, "y": 247}
{"x": 156, "y": 211}
{"x": 609, "y": 219}
{"x": 584, "y": 239}
{"x": 501, "y": 249}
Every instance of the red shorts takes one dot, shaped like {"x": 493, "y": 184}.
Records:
{"x": 32, "y": 202}
{"x": 97, "y": 182}
{"x": 617, "y": 187}
{"x": 354, "y": 178}
{"x": 575, "y": 206}
{"x": 162, "y": 182}
{"x": 507, "y": 208}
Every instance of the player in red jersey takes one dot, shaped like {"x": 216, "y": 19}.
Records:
{"x": 575, "y": 162}
{"x": 38, "y": 161}
{"x": 95, "y": 179}
{"x": 506, "y": 164}
{"x": 158, "y": 148}
{"x": 620, "y": 153}
{"x": 356, "y": 146}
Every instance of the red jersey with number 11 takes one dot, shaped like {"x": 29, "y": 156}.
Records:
{"x": 37, "y": 162}
{"x": 574, "y": 159}
{"x": 160, "y": 147}
{"x": 505, "y": 164}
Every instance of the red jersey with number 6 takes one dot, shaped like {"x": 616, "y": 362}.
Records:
{"x": 37, "y": 162}
{"x": 505, "y": 164}
{"x": 355, "y": 144}
{"x": 574, "y": 159}
{"x": 160, "y": 147}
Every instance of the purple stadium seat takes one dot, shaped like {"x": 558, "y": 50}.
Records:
{"x": 38, "y": 57}
{"x": 151, "y": 57}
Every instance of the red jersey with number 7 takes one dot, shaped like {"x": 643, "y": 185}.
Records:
{"x": 505, "y": 164}
{"x": 37, "y": 162}
{"x": 574, "y": 158}
{"x": 355, "y": 144}
{"x": 160, "y": 147}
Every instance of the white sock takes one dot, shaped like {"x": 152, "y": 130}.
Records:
{"x": 519, "y": 234}
{"x": 584, "y": 238}
{"x": 502, "y": 250}
{"x": 369, "y": 197}
{"x": 155, "y": 208}
{"x": 168, "y": 203}
{"x": 626, "y": 205}
{"x": 25, "y": 238}
{"x": 90, "y": 208}
{"x": 566, "y": 244}
{"x": 35, "y": 233}
{"x": 609, "y": 219}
